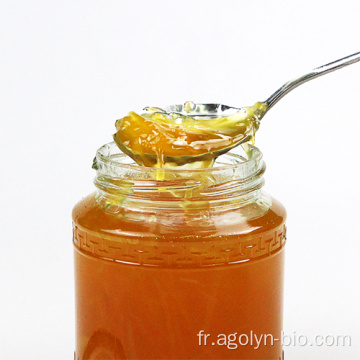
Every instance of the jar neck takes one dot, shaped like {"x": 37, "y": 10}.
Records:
{"x": 234, "y": 180}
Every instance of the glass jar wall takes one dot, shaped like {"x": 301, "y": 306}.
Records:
{"x": 178, "y": 263}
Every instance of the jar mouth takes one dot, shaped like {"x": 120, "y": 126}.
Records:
{"x": 110, "y": 156}
{"x": 233, "y": 176}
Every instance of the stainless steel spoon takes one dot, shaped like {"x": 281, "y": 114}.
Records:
{"x": 211, "y": 111}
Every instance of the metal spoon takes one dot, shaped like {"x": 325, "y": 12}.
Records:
{"x": 206, "y": 110}
{"x": 211, "y": 111}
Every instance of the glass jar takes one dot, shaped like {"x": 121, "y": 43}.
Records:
{"x": 178, "y": 263}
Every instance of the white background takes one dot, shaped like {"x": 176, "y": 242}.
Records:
{"x": 70, "y": 68}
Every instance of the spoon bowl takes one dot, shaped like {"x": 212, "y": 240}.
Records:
{"x": 203, "y": 122}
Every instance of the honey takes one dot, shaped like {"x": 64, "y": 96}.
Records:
{"x": 159, "y": 261}
{"x": 161, "y": 139}
{"x": 180, "y": 254}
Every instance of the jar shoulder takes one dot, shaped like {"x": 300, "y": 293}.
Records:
{"x": 89, "y": 216}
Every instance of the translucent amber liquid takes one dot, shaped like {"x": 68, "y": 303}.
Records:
{"x": 148, "y": 297}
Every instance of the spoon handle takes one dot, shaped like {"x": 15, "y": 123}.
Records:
{"x": 321, "y": 70}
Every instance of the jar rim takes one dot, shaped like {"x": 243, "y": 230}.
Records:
{"x": 118, "y": 177}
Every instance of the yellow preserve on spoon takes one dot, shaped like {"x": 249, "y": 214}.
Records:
{"x": 163, "y": 138}
{"x": 196, "y": 134}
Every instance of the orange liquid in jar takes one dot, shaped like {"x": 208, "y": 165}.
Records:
{"x": 145, "y": 289}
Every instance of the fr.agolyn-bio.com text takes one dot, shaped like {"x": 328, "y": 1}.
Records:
{"x": 234, "y": 340}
